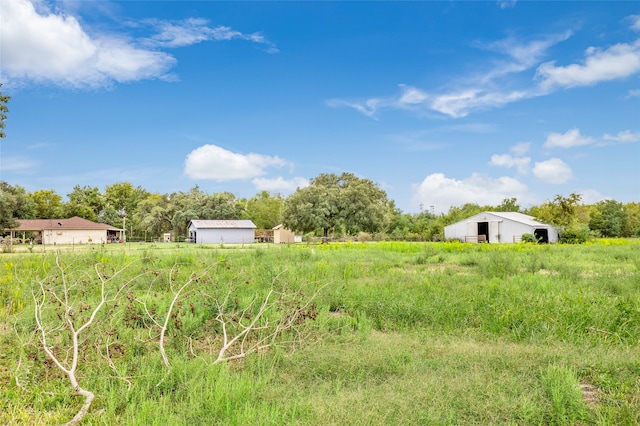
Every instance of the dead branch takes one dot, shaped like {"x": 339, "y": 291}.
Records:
{"x": 243, "y": 331}
{"x": 41, "y": 301}
{"x": 290, "y": 315}
{"x": 227, "y": 343}
{"x": 176, "y": 295}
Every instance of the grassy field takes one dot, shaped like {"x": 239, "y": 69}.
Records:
{"x": 377, "y": 333}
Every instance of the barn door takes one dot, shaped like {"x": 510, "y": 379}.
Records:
{"x": 472, "y": 229}
{"x": 494, "y": 231}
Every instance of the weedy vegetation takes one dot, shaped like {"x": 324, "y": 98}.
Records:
{"x": 332, "y": 334}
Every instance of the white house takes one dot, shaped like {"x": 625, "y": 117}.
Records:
{"x": 500, "y": 227}
{"x": 74, "y": 230}
{"x": 222, "y": 231}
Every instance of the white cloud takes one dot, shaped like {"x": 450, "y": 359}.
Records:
{"x": 50, "y": 47}
{"x": 488, "y": 90}
{"x": 626, "y": 136}
{"x": 368, "y": 107}
{"x": 16, "y": 164}
{"x": 553, "y": 171}
{"x": 591, "y": 196}
{"x": 521, "y": 148}
{"x": 633, "y": 93}
{"x": 477, "y": 92}
{"x": 567, "y": 140}
{"x": 412, "y": 96}
{"x": 409, "y": 98}
{"x": 635, "y": 22}
{"x": 506, "y": 160}
{"x": 196, "y": 30}
{"x": 216, "y": 163}
{"x": 461, "y": 104}
{"x": 279, "y": 184}
{"x": 441, "y": 192}
{"x": 523, "y": 54}
{"x": 53, "y": 48}
{"x": 616, "y": 62}
{"x": 506, "y": 4}
{"x": 187, "y": 32}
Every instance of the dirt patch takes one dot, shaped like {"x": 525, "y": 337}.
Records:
{"x": 590, "y": 394}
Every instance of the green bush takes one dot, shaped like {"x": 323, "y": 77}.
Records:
{"x": 575, "y": 234}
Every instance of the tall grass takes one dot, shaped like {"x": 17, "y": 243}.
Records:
{"x": 562, "y": 388}
{"x": 402, "y": 333}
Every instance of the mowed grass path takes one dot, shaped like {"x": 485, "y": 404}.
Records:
{"x": 403, "y": 333}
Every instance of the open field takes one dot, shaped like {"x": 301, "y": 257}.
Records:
{"x": 379, "y": 333}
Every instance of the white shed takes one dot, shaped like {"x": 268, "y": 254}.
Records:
{"x": 500, "y": 227}
{"x": 282, "y": 235}
{"x": 222, "y": 231}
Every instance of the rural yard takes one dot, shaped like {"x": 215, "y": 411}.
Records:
{"x": 319, "y": 213}
{"x": 341, "y": 333}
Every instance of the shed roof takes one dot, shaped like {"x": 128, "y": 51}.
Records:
{"x": 226, "y": 224}
{"x": 72, "y": 223}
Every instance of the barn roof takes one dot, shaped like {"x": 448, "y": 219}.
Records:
{"x": 512, "y": 216}
{"x": 222, "y": 224}
{"x": 518, "y": 217}
{"x": 75, "y": 223}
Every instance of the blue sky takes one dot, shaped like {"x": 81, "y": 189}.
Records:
{"x": 440, "y": 103}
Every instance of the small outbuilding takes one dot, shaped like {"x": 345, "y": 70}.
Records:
{"x": 74, "y": 230}
{"x": 221, "y": 231}
{"x": 500, "y": 227}
{"x": 282, "y": 235}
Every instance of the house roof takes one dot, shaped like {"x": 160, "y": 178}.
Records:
{"x": 226, "y": 224}
{"x": 72, "y": 223}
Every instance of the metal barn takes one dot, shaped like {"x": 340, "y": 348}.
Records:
{"x": 500, "y": 227}
{"x": 222, "y": 231}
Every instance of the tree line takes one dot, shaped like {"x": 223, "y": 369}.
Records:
{"x": 336, "y": 205}
{"x": 331, "y": 206}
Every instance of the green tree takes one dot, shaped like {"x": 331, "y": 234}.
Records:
{"x": 456, "y": 214}
{"x": 609, "y": 218}
{"x": 110, "y": 216}
{"x": 508, "y": 205}
{"x": 48, "y": 204}
{"x": 265, "y": 210}
{"x": 80, "y": 210}
{"x": 344, "y": 203}
{"x": 402, "y": 224}
{"x": 121, "y": 200}
{"x": 154, "y": 214}
{"x": 124, "y": 198}
{"x": 561, "y": 211}
{"x": 633, "y": 220}
{"x": 14, "y": 204}
{"x": 220, "y": 206}
{"x": 4, "y": 100}
{"x": 184, "y": 207}
{"x": 86, "y": 202}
